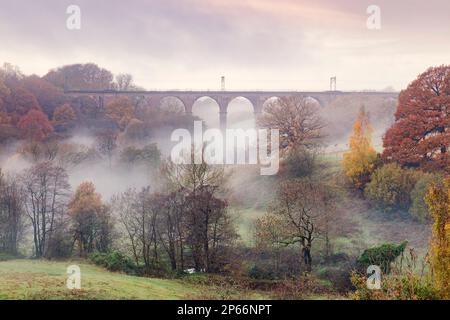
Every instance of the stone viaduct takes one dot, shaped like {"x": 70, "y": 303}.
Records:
{"x": 223, "y": 98}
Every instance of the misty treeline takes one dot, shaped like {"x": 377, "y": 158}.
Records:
{"x": 37, "y": 109}
{"x": 185, "y": 222}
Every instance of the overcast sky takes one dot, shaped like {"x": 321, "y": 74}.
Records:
{"x": 256, "y": 44}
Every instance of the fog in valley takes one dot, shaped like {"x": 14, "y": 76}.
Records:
{"x": 338, "y": 117}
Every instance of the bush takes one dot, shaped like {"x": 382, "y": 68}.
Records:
{"x": 399, "y": 287}
{"x": 403, "y": 283}
{"x": 299, "y": 162}
{"x": 114, "y": 261}
{"x": 7, "y": 256}
{"x": 382, "y": 256}
{"x": 390, "y": 187}
{"x": 419, "y": 209}
{"x": 339, "y": 277}
{"x": 337, "y": 270}
{"x": 260, "y": 273}
{"x": 60, "y": 245}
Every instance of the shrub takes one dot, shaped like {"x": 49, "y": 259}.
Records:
{"x": 339, "y": 277}
{"x": 114, "y": 261}
{"x": 419, "y": 209}
{"x": 403, "y": 283}
{"x": 60, "y": 245}
{"x": 337, "y": 270}
{"x": 259, "y": 273}
{"x": 300, "y": 288}
{"x": 7, "y": 256}
{"x": 382, "y": 255}
{"x": 390, "y": 187}
{"x": 398, "y": 287}
{"x": 299, "y": 162}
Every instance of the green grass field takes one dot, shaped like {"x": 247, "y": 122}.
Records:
{"x": 40, "y": 279}
{"x": 37, "y": 279}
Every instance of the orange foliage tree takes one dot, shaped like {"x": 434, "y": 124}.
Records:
{"x": 47, "y": 95}
{"x": 35, "y": 126}
{"x": 91, "y": 222}
{"x": 20, "y": 101}
{"x": 359, "y": 162}
{"x": 120, "y": 110}
{"x": 64, "y": 115}
{"x": 420, "y": 136}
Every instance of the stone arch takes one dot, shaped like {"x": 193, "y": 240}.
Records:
{"x": 206, "y": 113}
{"x": 171, "y": 101}
{"x": 239, "y": 116}
{"x": 267, "y": 100}
{"x": 314, "y": 100}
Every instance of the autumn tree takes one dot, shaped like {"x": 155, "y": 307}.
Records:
{"x": 419, "y": 209}
{"x": 48, "y": 96}
{"x": 20, "y": 102}
{"x": 121, "y": 111}
{"x": 46, "y": 190}
{"x": 136, "y": 130}
{"x": 86, "y": 107}
{"x": 390, "y": 187}
{"x": 91, "y": 220}
{"x": 359, "y": 162}
{"x": 269, "y": 235}
{"x": 80, "y": 76}
{"x": 420, "y": 135}
{"x": 35, "y": 126}
{"x": 296, "y": 118}
{"x": 64, "y": 116}
{"x": 438, "y": 200}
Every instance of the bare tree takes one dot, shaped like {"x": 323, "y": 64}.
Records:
{"x": 107, "y": 143}
{"x": 46, "y": 191}
{"x": 187, "y": 220}
{"x": 11, "y": 214}
{"x": 172, "y": 229}
{"x": 209, "y": 228}
{"x": 297, "y": 119}
{"x": 138, "y": 213}
{"x": 124, "y": 81}
{"x": 302, "y": 206}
